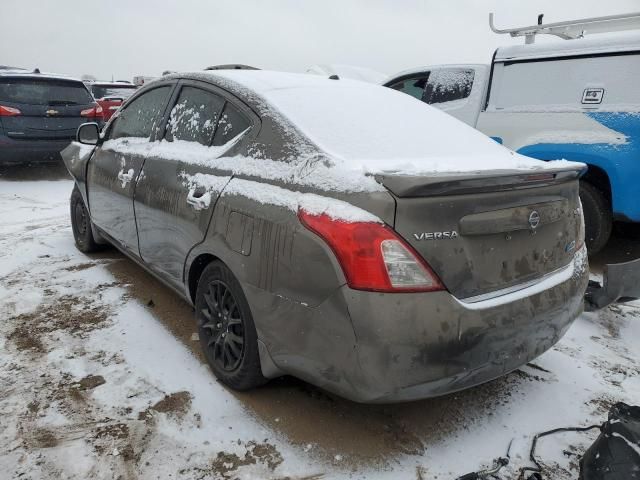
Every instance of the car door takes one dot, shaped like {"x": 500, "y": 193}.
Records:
{"x": 116, "y": 164}
{"x": 181, "y": 180}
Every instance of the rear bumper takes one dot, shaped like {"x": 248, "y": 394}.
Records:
{"x": 17, "y": 152}
{"x": 415, "y": 345}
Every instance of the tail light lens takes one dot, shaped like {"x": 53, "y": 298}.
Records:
{"x": 93, "y": 112}
{"x": 372, "y": 256}
{"x": 9, "y": 111}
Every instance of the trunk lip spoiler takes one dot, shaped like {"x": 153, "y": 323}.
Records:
{"x": 620, "y": 283}
{"x": 403, "y": 185}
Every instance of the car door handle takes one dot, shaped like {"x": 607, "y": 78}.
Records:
{"x": 198, "y": 199}
{"x": 125, "y": 177}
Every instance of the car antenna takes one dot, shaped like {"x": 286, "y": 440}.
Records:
{"x": 36, "y": 70}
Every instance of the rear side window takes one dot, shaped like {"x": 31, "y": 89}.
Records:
{"x": 142, "y": 115}
{"x": 43, "y": 92}
{"x": 231, "y": 124}
{"x": 413, "y": 86}
{"x": 448, "y": 84}
{"x": 194, "y": 116}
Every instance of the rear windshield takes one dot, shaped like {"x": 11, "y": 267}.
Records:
{"x": 358, "y": 121}
{"x": 43, "y": 92}
{"x": 116, "y": 91}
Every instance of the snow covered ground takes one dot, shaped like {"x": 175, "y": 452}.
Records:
{"x": 97, "y": 381}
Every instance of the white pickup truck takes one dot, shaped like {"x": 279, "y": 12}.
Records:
{"x": 575, "y": 99}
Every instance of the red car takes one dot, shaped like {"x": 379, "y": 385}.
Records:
{"x": 110, "y": 95}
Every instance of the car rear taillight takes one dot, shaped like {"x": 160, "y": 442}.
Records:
{"x": 372, "y": 256}
{"x": 9, "y": 111}
{"x": 94, "y": 112}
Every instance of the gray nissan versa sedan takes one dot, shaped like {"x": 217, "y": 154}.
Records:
{"x": 337, "y": 231}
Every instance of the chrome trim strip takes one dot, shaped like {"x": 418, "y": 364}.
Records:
{"x": 515, "y": 288}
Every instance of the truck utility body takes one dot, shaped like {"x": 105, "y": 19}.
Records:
{"x": 577, "y": 100}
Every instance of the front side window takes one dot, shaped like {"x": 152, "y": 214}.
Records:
{"x": 413, "y": 86}
{"x": 142, "y": 115}
{"x": 231, "y": 124}
{"x": 448, "y": 84}
{"x": 194, "y": 116}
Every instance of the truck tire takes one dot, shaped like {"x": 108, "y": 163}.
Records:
{"x": 81, "y": 223}
{"x": 598, "y": 218}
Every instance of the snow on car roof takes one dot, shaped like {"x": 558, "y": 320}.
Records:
{"x": 620, "y": 42}
{"x": 31, "y": 74}
{"x": 376, "y": 129}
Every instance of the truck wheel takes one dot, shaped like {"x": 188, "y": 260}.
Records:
{"x": 225, "y": 326}
{"x": 81, "y": 223}
{"x": 598, "y": 218}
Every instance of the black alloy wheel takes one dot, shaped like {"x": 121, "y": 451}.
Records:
{"x": 226, "y": 329}
{"x": 222, "y": 321}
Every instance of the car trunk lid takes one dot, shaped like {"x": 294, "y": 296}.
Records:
{"x": 485, "y": 232}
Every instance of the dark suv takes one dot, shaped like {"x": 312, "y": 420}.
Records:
{"x": 39, "y": 115}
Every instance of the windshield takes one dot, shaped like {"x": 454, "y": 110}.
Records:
{"x": 117, "y": 91}
{"x": 43, "y": 92}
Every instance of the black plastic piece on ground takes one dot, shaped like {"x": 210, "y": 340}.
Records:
{"x": 621, "y": 284}
{"x": 615, "y": 455}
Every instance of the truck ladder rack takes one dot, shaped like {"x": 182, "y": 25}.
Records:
{"x": 573, "y": 29}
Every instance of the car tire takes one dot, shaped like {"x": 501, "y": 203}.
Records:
{"x": 81, "y": 223}
{"x": 226, "y": 329}
{"x": 598, "y": 218}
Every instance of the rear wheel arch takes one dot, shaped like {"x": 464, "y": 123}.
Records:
{"x": 196, "y": 268}
{"x": 599, "y": 178}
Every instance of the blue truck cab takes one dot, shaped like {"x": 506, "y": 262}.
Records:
{"x": 577, "y": 100}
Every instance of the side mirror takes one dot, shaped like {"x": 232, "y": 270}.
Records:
{"x": 88, "y": 133}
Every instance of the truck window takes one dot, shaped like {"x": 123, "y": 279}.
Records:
{"x": 448, "y": 84}
{"x": 413, "y": 85}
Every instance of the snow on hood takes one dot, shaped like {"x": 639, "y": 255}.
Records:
{"x": 373, "y": 129}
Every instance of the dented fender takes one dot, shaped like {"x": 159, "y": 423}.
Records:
{"x": 76, "y": 157}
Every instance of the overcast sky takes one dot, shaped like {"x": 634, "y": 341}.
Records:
{"x": 129, "y": 37}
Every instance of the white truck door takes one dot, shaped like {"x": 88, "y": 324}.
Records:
{"x": 458, "y": 90}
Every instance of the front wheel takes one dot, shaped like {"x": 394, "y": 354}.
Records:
{"x": 81, "y": 223}
{"x": 598, "y": 219}
{"x": 225, "y": 326}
